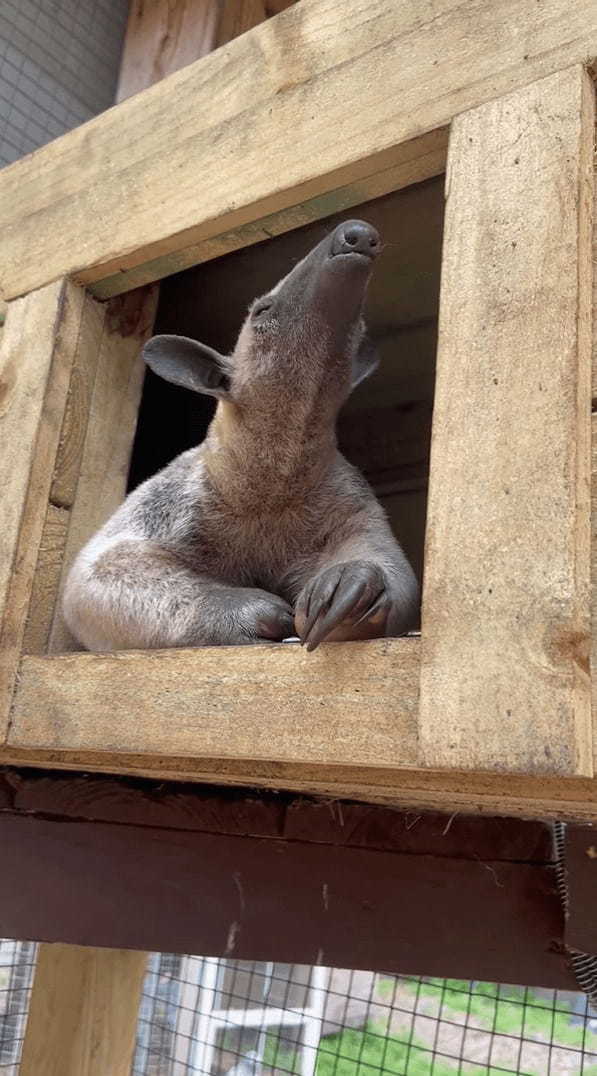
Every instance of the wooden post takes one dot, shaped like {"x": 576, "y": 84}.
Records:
{"x": 39, "y": 343}
{"x": 103, "y": 453}
{"x": 83, "y": 1012}
{"x": 163, "y": 36}
{"x": 238, "y": 16}
{"x": 504, "y": 680}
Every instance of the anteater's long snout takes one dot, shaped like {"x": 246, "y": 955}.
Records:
{"x": 356, "y": 237}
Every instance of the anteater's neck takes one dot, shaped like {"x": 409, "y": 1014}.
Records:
{"x": 261, "y": 464}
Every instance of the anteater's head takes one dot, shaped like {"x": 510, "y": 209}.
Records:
{"x": 304, "y": 340}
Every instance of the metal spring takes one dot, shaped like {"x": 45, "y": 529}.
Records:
{"x": 583, "y": 966}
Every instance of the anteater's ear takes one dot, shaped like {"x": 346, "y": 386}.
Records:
{"x": 187, "y": 363}
{"x": 365, "y": 361}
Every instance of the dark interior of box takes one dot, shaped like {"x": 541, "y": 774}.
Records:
{"x": 385, "y": 427}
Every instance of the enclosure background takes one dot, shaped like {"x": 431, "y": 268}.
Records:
{"x": 59, "y": 63}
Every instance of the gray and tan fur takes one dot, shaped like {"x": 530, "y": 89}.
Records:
{"x": 264, "y": 530}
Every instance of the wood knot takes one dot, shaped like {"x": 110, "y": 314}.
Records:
{"x": 566, "y": 644}
{"x": 131, "y": 314}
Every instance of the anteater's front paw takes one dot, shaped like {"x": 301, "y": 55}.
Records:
{"x": 264, "y": 616}
{"x": 345, "y": 601}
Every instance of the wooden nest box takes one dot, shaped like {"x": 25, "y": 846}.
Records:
{"x": 330, "y": 105}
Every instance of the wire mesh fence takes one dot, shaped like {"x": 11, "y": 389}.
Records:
{"x": 17, "y": 964}
{"x": 219, "y": 1017}
{"x": 238, "y": 1018}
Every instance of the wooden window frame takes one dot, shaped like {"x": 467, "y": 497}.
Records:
{"x": 394, "y": 720}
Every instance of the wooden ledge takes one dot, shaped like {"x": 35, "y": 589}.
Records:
{"x": 348, "y": 703}
{"x": 297, "y": 724}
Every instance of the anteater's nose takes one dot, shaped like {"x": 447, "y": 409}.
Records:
{"x": 356, "y": 236}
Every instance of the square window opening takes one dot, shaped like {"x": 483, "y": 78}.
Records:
{"x": 384, "y": 429}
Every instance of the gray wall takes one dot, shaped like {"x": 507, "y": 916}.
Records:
{"x": 58, "y": 67}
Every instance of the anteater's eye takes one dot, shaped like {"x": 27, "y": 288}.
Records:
{"x": 261, "y": 307}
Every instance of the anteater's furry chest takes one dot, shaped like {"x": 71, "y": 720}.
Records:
{"x": 264, "y": 542}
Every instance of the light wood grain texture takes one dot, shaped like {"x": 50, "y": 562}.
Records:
{"x": 274, "y": 7}
{"x": 504, "y": 678}
{"x": 458, "y": 791}
{"x": 38, "y": 348}
{"x": 46, "y": 581}
{"x": 110, "y": 430}
{"x": 595, "y": 271}
{"x": 76, "y": 416}
{"x": 348, "y": 704}
{"x": 161, "y": 37}
{"x": 594, "y": 479}
{"x": 83, "y": 1012}
{"x": 330, "y": 93}
{"x": 238, "y": 16}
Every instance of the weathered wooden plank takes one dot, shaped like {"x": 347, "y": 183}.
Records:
{"x": 179, "y": 806}
{"x": 594, "y": 577}
{"x": 78, "y": 402}
{"x": 504, "y": 676}
{"x": 594, "y": 480}
{"x": 110, "y": 430}
{"x": 238, "y": 16}
{"x": 348, "y": 704}
{"x": 172, "y": 805}
{"x": 451, "y": 791}
{"x": 383, "y": 782}
{"x": 151, "y": 888}
{"x": 595, "y": 273}
{"x": 38, "y": 347}
{"x": 83, "y": 1012}
{"x": 6, "y": 793}
{"x": 581, "y": 880}
{"x": 46, "y": 581}
{"x": 163, "y": 36}
{"x": 274, "y": 7}
{"x": 358, "y": 825}
{"x": 330, "y": 93}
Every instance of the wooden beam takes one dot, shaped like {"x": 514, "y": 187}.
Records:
{"x": 83, "y": 1012}
{"x": 300, "y": 901}
{"x": 163, "y": 36}
{"x": 351, "y": 703}
{"x": 110, "y": 407}
{"x": 594, "y": 573}
{"x": 92, "y": 327}
{"x": 238, "y": 812}
{"x": 238, "y": 16}
{"x": 504, "y": 676}
{"x": 82, "y": 453}
{"x": 382, "y": 782}
{"x": 580, "y": 849}
{"x": 274, "y": 7}
{"x": 46, "y": 581}
{"x": 594, "y": 481}
{"x": 300, "y": 92}
{"x": 572, "y": 799}
{"x": 39, "y": 343}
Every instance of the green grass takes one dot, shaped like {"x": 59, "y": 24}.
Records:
{"x": 363, "y": 1053}
{"x": 360, "y": 1053}
{"x": 511, "y": 1011}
